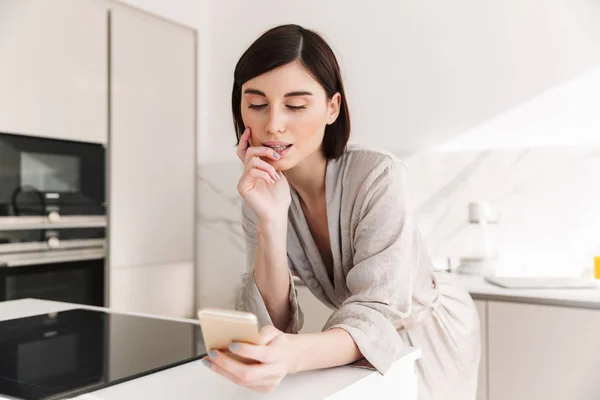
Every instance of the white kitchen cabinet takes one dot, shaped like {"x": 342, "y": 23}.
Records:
{"x": 482, "y": 380}
{"x": 315, "y": 312}
{"x": 161, "y": 289}
{"x": 152, "y": 143}
{"x": 543, "y": 352}
{"x": 53, "y": 74}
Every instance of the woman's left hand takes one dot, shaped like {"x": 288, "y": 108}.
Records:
{"x": 277, "y": 355}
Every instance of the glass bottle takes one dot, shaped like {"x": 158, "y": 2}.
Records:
{"x": 481, "y": 255}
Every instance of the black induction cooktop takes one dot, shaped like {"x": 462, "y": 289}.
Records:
{"x": 65, "y": 354}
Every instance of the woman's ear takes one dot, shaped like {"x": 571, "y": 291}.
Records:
{"x": 333, "y": 108}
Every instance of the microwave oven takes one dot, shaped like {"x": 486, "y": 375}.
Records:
{"x": 50, "y": 178}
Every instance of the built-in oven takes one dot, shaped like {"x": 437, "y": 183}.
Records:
{"x": 52, "y": 219}
{"x": 73, "y": 276}
{"x": 51, "y": 178}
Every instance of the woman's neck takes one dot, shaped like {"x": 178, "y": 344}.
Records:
{"x": 308, "y": 178}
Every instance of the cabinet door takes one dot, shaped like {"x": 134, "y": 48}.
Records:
{"x": 53, "y": 74}
{"x": 543, "y": 352}
{"x": 159, "y": 289}
{"x": 482, "y": 380}
{"x": 152, "y": 140}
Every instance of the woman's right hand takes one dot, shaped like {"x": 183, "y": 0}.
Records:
{"x": 263, "y": 188}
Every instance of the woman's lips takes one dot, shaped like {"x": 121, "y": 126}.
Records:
{"x": 275, "y": 143}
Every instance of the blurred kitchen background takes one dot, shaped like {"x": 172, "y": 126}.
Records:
{"x": 118, "y": 170}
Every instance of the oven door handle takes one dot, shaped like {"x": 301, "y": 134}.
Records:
{"x": 13, "y": 223}
{"x": 51, "y": 257}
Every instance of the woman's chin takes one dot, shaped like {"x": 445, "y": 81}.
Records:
{"x": 281, "y": 165}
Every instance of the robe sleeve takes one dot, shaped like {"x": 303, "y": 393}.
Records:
{"x": 380, "y": 281}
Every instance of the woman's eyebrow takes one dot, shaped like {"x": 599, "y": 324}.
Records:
{"x": 290, "y": 94}
{"x": 298, "y": 93}
{"x": 254, "y": 91}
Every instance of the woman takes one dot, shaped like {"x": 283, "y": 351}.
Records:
{"x": 338, "y": 216}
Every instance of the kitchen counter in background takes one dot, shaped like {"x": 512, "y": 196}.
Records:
{"x": 536, "y": 343}
{"x": 479, "y": 289}
{"x": 483, "y": 290}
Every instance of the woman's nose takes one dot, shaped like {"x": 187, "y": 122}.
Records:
{"x": 276, "y": 122}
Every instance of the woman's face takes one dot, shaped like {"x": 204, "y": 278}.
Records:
{"x": 287, "y": 109}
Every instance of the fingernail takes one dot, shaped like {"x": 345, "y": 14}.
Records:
{"x": 276, "y": 155}
{"x": 277, "y": 175}
{"x": 234, "y": 346}
{"x": 272, "y": 181}
{"x": 212, "y": 354}
{"x": 206, "y": 362}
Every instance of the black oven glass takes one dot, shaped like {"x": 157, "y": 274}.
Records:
{"x": 41, "y": 175}
{"x": 79, "y": 282}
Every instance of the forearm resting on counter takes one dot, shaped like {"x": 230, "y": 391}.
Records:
{"x": 332, "y": 348}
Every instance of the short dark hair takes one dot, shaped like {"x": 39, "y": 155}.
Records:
{"x": 280, "y": 46}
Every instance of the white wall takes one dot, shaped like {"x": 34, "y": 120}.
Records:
{"x": 546, "y": 198}
{"x": 565, "y": 115}
{"x": 417, "y": 73}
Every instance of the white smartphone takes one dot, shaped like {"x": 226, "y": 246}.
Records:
{"x": 222, "y": 327}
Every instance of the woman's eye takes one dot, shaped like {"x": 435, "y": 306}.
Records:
{"x": 296, "y": 107}
{"x": 257, "y": 106}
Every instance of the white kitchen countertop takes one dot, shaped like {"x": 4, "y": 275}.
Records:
{"x": 194, "y": 381}
{"x": 483, "y": 290}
